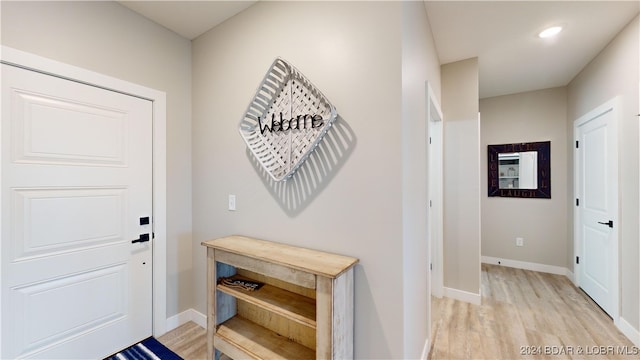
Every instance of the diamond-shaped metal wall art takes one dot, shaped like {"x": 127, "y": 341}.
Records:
{"x": 286, "y": 120}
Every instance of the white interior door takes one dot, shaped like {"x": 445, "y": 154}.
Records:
{"x": 435, "y": 214}
{"x": 597, "y": 198}
{"x": 76, "y": 180}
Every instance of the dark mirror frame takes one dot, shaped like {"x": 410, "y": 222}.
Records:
{"x": 544, "y": 170}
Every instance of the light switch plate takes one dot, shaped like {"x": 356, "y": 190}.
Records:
{"x": 232, "y": 203}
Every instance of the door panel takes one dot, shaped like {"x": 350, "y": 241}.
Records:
{"x": 595, "y": 270}
{"x": 594, "y": 141}
{"x": 36, "y": 233}
{"x": 97, "y": 292}
{"x": 597, "y": 191}
{"x": 76, "y": 178}
{"x": 37, "y": 116}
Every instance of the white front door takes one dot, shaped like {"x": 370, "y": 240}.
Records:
{"x": 76, "y": 182}
{"x": 597, "y": 199}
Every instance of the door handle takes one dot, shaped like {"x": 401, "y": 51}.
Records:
{"x": 143, "y": 238}
{"x": 609, "y": 223}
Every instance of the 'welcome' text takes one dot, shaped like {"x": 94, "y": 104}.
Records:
{"x": 295, "y": 123}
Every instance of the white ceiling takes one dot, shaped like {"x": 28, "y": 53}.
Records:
{"x": 502, "y": 34}
{"x": 189, "y": 19}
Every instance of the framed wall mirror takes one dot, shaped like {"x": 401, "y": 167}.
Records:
{"x": 520, "y": 170}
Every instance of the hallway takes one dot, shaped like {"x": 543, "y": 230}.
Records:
{"x": 525, "y": 314}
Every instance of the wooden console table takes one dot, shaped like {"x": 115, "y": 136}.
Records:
{"x": 304, "y": 310}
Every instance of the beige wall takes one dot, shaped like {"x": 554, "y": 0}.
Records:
{"x": 460, "y": 106}
{"x": 419, "y": 64}
{"x": 616, "y": 72}
{"x": 108, "y": 38}
{"x": 350, "y": 205}
{"x": 527, "y": 117}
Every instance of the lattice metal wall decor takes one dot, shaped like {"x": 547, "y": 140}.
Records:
{"x": 286, "y": 120}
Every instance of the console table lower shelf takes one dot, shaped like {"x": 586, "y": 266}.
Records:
{"x": 304, "y": 310}
{"x": 239, "y": 338}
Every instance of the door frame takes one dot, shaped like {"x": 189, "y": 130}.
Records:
{"x": 435, "y": 193}
{"x": 28, "y": 61}
{"x": 612, "y": 106}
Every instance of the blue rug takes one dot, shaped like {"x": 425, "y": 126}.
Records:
{"x": 148, "y": 349}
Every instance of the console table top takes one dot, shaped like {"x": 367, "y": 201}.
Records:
{"x": 312, "y": 261}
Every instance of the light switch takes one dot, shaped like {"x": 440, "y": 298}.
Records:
{"x": 232, "y": 203}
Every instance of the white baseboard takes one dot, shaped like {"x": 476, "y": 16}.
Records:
{"x": 186, "y": 316}
{"x": 571, "y": 276}
{"x": 178, "y": 319}
{"x": 629, "y": 331}
{"x": 462, "y": 295}
{"x": 199, "y": 318}
{"x": 551, "y": 269}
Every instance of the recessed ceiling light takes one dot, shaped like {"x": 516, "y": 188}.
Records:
{"x": 552, "y": 31}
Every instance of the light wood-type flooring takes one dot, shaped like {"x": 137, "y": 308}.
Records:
{"x": 188, "y": 340}
{"x": 524, "y": 315}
